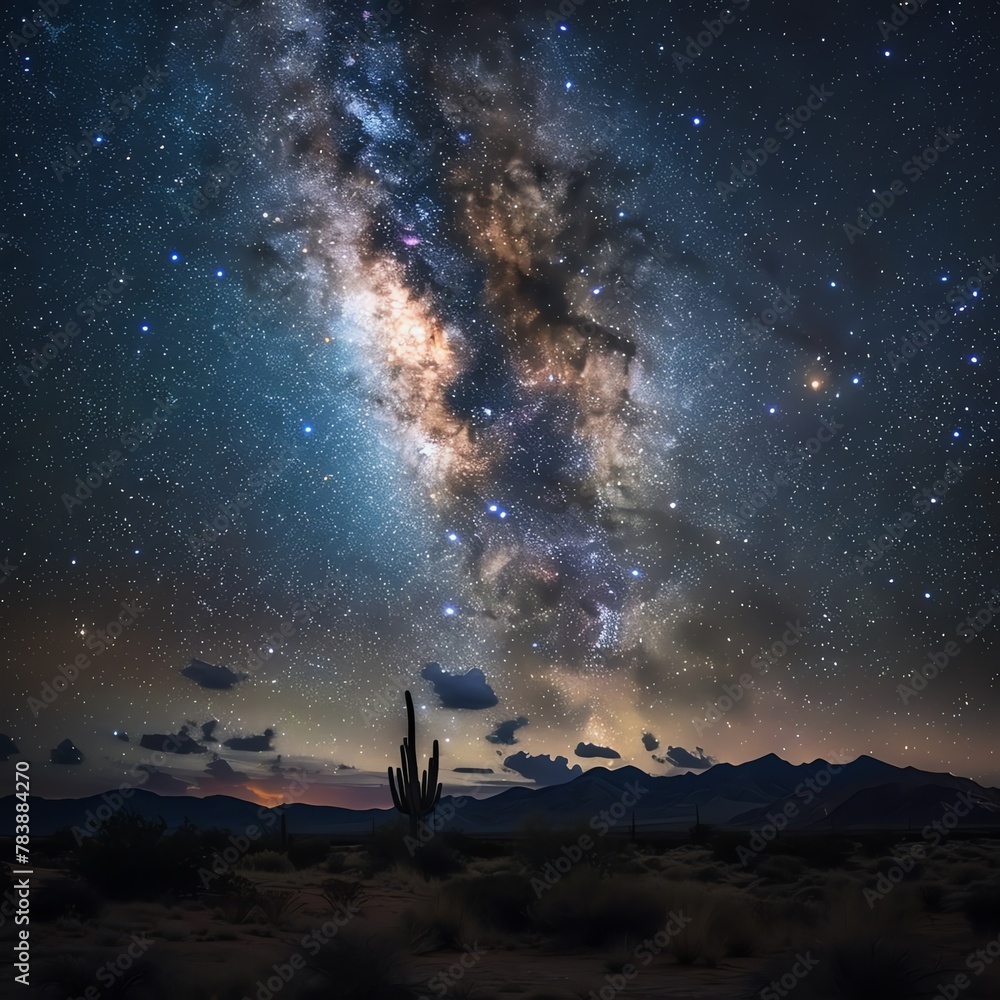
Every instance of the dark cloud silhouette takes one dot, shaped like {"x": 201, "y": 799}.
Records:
{"x": 474, "y": 770}
{"x": 208, "y": 731}
{"x": 650, "y": 742}
{"x": 66, "y": 753}
{"x": 468, "y": 690}
{"x": 504, "y": 733}
{"x": 257, "y": 744}
{"x": 208, "y": 675}
{"x": 680, "y": 757}
{"x": 120, "y": 734}
{"x": 592, "y": 750}
{"x": 543, "y": 770}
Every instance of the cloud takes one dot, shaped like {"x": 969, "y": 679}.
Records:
{"x": 468, "y": 690}
{"x": 473, "y": 770}
{"x": 66, "y": 753}
{"x": 680, "y": 757}
{"x": 650, "y": 742}
{"x": 208, "y": 731}
{"x": 543, "y": 770}
{"x": 504, "y": 733}
{"x": 208, "y": 675}
{"x": 257, "y": 744}
{"x": 592, "y": 750}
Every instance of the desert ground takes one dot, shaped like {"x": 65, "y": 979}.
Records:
{"x": 138, "y": 912}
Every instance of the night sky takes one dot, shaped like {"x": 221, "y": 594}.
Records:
{"x": 554, "y": 365}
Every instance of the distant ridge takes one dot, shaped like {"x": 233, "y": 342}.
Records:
{"x": 865, "y": 794}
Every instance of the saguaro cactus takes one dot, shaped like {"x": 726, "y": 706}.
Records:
{"x": 412, "y": 796}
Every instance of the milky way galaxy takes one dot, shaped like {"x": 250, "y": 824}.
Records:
{"x": 487, "y": 348}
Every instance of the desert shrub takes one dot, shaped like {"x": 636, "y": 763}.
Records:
{"x": 276, "y": 905}
{"x": 725, "y": 845}
{"x": 500, "y": 901}
{"x": 538, "y": 844}
{"x": 862, "y": 967}
{"x": 73, "y": 975}
{"x": 391, "y": 846}
{"x": 965, "y": 874}
{"x": 818, "y": 850}
{"x": 931, "y": 896}
{"x": 912, "y": 866}
{"x": 132, "y": 857}
{"x": 268, "y": 861}
{"x": 440, "y": 922}
{"x": 586, "y": 910}
{"x": 308, "y": 852}
{"x": 62, "y": 899}
{"x": 473, "y": 847}
{"x": 334, "y": 864}
{"x": 780, "y": 868}
{"x": 344, "y": 892}
{"x": 356, "y": 965}
{"x": 982, "y": 909}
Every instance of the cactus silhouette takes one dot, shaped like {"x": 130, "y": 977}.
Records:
{"x": 413, "y": 796}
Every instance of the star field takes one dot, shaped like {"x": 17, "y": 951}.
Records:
{"x": 568, "y": 348}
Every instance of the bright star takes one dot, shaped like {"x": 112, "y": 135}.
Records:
{"x": 220, "y": 274}
{"x": 307, "y": 429}
{"x": 695, "y": 121}
{"x": 973, "y": 360}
